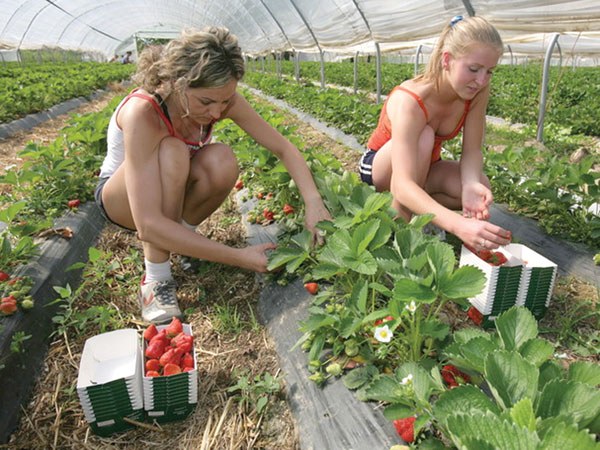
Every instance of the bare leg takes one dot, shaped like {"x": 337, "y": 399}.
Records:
{"x": 213, "y": 174}
{"x": 383, "y": 174}
{"x": 444, "y": 184}
{"x": 173, "y": 161}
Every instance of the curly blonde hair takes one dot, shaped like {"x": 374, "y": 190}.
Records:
{"x": 457, "y": 38}
{"x": 198, "y": 58}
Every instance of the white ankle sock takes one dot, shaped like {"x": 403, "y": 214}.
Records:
{"x": 157, "y": 271}
{"x": 188, "y": 226}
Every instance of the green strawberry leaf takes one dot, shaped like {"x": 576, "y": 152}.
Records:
{"x": 515, "y": 327}
{"x": 510, "y": 377}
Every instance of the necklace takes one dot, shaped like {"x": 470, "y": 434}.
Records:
{"x": 200, "y": 141}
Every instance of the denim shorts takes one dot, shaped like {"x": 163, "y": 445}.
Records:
{"x": 365, "y": 167}
{"x": 98, "y": 197}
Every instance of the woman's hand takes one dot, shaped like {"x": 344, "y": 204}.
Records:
{"x": 315, "y": 213}
{"x": 476, "y": 200}
{"x": 255, "y": 258}
{"x": 481, "y": 234}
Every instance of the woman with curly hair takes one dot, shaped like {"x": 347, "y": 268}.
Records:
{"x": 163, "y": 174}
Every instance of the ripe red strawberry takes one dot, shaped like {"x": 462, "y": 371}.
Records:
{"x": 152, "y": 373}
{"x": 150, "y": 332}
{"x": 4, "y": 276}
{"x": 453, "y": 376}
{"x": 385, "y": 319}
{"x": 174, "y": 328}
{"x": 156, "y": 346}
{"x": 8, "y": 305}
{"x": 268, "y": 214}
{"x": 406, "y": 428}
{"x": 288, "y": 209}
{"x": 475, "y": 315}
{"x": 260, "y": 195}
{"x": 171, "y": 356}
{"x": 171, "y": 369}
{"x": 183, "y": 341}
{"x": 239, "y": 184}
{"x": 311, "y": 287}
{"x": 497, "y": 259}
{"x": 153, "y": 364}
{"x": 74, "y": 203}
{"x": 187, "y": 361}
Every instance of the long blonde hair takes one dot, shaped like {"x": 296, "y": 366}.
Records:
{"x": 457, "y": 37}
{"x": 207, "y": 58}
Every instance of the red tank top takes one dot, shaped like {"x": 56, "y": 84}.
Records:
{"x": 164, "y": 116}
{"x": 383, "y": 132}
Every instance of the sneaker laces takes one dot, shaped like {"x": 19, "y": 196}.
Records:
{"x": 164, "y": 290}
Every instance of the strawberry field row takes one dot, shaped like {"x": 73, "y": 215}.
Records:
{"x": 515, "y": 90}
{"x": 27, "y": 89}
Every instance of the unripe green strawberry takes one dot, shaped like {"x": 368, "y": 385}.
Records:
{"x": 318, "y": 378}
{"x": 27, "y": 302}
{"x": 334, "y": 369}
{"x": 314, "y": 364}
{"x": 351, "y": 348}
{"x": 306, "y": 345}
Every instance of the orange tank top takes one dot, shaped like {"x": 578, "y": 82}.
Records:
{"x": 383, "y": 132}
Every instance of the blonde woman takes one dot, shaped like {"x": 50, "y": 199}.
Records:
{"x": 403, "y": 153}
{"x": 163, "y": 175}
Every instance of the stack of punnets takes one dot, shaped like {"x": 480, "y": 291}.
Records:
{"x": 109, "y": 384}
{"x": 525, "y": 279}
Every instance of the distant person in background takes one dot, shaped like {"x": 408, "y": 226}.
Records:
{"x": 126, "y": 58}
{"x": 163, "y": 175}
{"x": 115, "y": 58}
{"x": 403, "y": 153}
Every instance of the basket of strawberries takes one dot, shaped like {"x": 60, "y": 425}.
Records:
{"x": 170, "y": 381}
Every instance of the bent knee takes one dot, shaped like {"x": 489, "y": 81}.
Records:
{"x": 216, "y": 162}
{"x": 172, "y": 144}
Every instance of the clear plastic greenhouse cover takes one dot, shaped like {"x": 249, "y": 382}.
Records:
{"x": 263, "y": 26}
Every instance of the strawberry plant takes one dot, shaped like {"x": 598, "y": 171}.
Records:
{"x": 102, "y": 273}
{"x": 518, "y": 392}
{"x": 254, "y": 393}
{"x": 373, "y": 266}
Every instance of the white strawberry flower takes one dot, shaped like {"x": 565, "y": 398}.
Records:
{"x": 407, "y": 379}
{"x": 411, "y": 307}
{"x": 383, "y": 334}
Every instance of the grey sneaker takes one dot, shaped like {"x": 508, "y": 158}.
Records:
{"x": 159, "y": 301}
